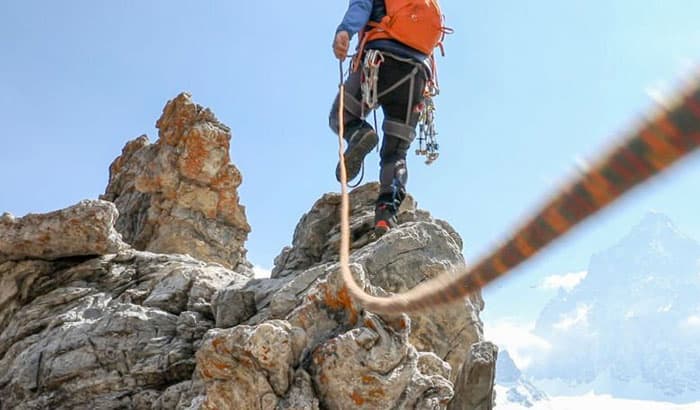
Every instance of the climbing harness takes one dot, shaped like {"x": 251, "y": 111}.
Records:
{"x": 427, "y": 136}
{"x": 420, "y": 25}
{"x": 664, "y": 139}
{"x": 370, "y": 79}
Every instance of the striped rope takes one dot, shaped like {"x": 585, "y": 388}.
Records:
{"x": 662, "y": 140}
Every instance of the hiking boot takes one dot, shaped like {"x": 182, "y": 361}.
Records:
{"x": 361, "y": 142}
{"x": 384, "y": 218}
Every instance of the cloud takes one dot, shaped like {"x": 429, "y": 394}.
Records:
{"x": 662, "y": 91}
{"x": 688, "y": 66}
{"x": 579, "y": 316}
{"x": 665, "y": 308}
{"x": 582, "y": 164}
{"x": 261, "y": 272}
{"x": 567, "y": 281}
{"x": 692, "y": 321}
{"x": 659, "y": 93}
{"x": 518, "y": 339}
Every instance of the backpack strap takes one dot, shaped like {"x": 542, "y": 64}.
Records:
{"x": 364, "y": 37}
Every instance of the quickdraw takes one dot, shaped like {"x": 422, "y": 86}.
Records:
{"x": 427, "y": 134}
{"x": 370, "y": 78}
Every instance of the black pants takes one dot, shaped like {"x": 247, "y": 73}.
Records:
{"x": 400, "y": 119}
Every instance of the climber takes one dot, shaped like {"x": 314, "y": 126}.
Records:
{"x": 390, "y": 73}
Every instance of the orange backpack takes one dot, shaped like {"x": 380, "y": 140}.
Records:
{"x": 415, "y": 23}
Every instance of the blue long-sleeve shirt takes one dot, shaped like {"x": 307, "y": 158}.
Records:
{"x": 359, "y": 13}
{"x": 356, "y": 17}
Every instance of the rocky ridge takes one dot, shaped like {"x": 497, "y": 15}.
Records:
{"x": 164, "y": 314}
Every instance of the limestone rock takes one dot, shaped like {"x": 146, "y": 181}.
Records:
{"x": 374, "y": 367}
{"x": 84, "y": 229}
{"x": 317, "y": 235}
{"x": 183, "y": 395}
{"x": 301, "y": 395}
{"x": 232, "y": 306}
{"x": 343, "y": 342}
{"x": 430, "y": 363}
{"x": 474, "y": 389}
{"x": 100, "y": 325}
{"x": 249, "y": 367}
{"x": 356, "y": 360}
{"x": 117, "y": 331}
{"x": 179, "y": 195}
{"x": 405, "y": 257}
{"x": 421, "y": 248}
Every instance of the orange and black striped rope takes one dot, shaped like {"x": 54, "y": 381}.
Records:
{"x": 662, "y": 140}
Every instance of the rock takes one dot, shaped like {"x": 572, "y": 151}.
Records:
{"x": 184, "y": 395}
{"x": 250, "y": 367}
{"x": 475, "y": 385}
{"x": 421, "y": 248}
{"x": 317, "y": 235}
{"x": 430, "y": 363}
{"x": 118, "y": 331}
{"x": 405, "y": 257}
{"x": 233, "y": 306}
{"x": 179, "y": 195}
{"x": 84, "y": 229}
{"x": 307, "y": 291}
{"x": 301, "y": 395}
{"x": 374, "y": 367}
{"x": 177, "y": 322}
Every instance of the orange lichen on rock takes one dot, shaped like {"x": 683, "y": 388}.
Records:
{"x": 219, "y": 345}
{"x": 341, "y": 301}
{"x": 357, "y": 398}
{"x": 183, "y": 182}
{"x": 194, "y": 157}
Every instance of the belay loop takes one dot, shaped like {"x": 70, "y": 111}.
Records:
{"x": 427, "y": 134}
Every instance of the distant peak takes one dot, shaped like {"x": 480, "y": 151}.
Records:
{"x": 506, "y": 369}
{"x": 657, "y": 217}
{"x": 655, "y": 223}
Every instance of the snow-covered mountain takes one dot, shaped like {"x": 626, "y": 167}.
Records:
{"x": 631, "y": 328}
{"x": 597, "y": 402}
{"x": 511, "y": 387}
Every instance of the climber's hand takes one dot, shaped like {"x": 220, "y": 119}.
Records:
{"x": 341, "y": 45}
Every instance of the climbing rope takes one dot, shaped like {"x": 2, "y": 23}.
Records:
{"x": 659, "y": 142}
{"x": 345, "y": 200}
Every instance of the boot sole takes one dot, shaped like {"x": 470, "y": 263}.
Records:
{"x": 355, "y": 155}
{"x": 380, "y": 228}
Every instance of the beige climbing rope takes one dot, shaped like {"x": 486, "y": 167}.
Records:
{"x": 345, "y": 198}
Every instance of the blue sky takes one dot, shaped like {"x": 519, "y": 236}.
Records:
{"x": 528, "y": 87}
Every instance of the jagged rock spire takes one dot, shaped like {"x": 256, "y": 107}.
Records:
{"x": 179, "y": 195}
